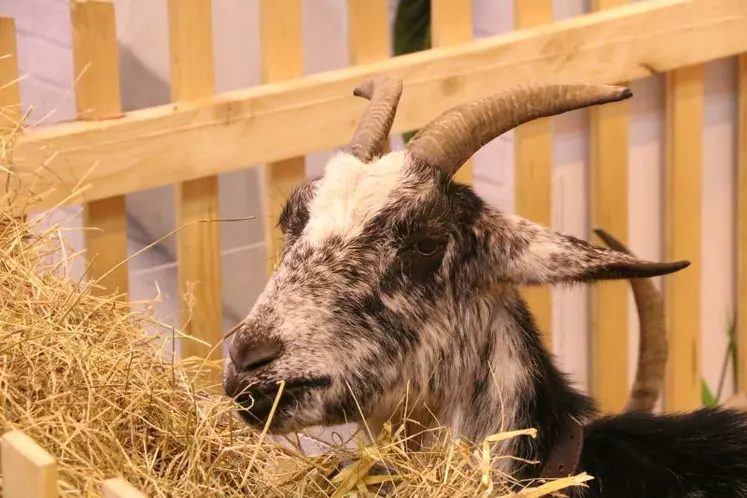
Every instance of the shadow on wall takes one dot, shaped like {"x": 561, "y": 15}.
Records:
{"x": 151, "y": 215}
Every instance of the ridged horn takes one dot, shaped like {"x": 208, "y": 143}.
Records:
{"x": 369, "y": 138}
{"x": 452, "y": 138}
{"x": 653, "y": 349}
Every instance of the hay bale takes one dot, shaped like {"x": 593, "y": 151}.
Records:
{"x": 86, "y": 378}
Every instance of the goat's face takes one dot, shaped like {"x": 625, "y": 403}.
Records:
{"x": 384, "y": 264}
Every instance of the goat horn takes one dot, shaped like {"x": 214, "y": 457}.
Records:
{"x": 373, "y": 129}
{"x": 653, "y": 349}
{"x": 451, "y": 139}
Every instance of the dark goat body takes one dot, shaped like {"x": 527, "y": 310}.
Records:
{"x": 396, "y": 280}
{"x": 697, "y": 454}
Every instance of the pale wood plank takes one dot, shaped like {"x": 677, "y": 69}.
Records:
{"x": 28, "y": 471}
{"x": 742, "y": 229}
{"x": 369, "y": 34}
{"x": 117, "y": 487}
{"x": 97, "y": 97}
{"x": 282, "y": 59}
{"x": 10, "y": 104}
{"x": 168, "y": 144}
{"x": 609, "y": 210}
{"x": 451, "y": 24}
{"x": 533, "y": 170}
{"x": 198, "y": 240}
{"x": 10, "y": 88}
{"x": 685, "y": 94}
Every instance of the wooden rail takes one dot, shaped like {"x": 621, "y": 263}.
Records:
{"x": 29, "y": 471}
{"x": 609, "y": 209}
{"x": 201, "y": 135}
{"x": 97, "y": 97}
{"x": 533, "y": 168}
{"x": 169, "y": 144}
{"x": 198, "y": 242}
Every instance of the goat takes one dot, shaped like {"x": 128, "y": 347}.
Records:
{"x": 392, "y": 277}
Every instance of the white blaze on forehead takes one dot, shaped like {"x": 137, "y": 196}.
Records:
{"x": 350, "y": 193}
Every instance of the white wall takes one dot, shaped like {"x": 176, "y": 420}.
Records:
{"x": 45, "y": 57}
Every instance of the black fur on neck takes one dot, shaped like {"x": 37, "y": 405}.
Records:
{"x": 551, "y": 403}
{"x": 702, "y": 453}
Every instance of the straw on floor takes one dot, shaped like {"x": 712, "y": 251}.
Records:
{"x": 86, "y": 378}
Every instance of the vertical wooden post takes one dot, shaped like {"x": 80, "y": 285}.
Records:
{"x": 685, "y": 91}
{"x": 97, "y": 96}
{"x": 533, "y": 166}
{"x": 198, "y": 243}
{"x": 368, "y": 31}
{"x": 10, "y": 89}
{"x": 609, "y": 210}
{"x": 742, "y": 228}
{"x": 282, "y": 58}
{"x": 369, "y": 35}
{"x": 28, "y": 470}
{"x": 119, "y": 488}
{"x": 451, "y": 24}
{"x": 10, "y": 94}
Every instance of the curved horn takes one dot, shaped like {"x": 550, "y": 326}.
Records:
{"x": 373, "y": 129}
{"x": 653, "y": 349}
{"x": 453, "y": 137}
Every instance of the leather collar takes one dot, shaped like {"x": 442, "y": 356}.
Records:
{"x": 565, "y": 455}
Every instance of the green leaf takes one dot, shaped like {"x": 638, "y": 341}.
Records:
{"x": 412, "y": 26}
{"x": 708, "y": 399}
{"x": 412, "y": 33}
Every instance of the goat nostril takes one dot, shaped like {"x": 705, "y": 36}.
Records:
{"x": 254, "y": 355}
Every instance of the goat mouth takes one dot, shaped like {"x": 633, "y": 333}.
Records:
{"x": 256, "y": 401}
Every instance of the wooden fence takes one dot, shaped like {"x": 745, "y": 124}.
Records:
{"x": 201, "y": 135}
{"x": 29, "y": 471}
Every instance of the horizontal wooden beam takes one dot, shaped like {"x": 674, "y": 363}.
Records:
{"x": 275, "y": 121}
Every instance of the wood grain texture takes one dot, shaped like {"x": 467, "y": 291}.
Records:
{"x": 684, "y": 96}
{"x": 198, "y": 240}
{"x": 97, "y": 98}
{"x": 281, "y": 23}
{"x": 741, "y": 300}
{"x": 369, "y": 34}
{"x": 451, "y": 24}
{"x": 609, "y": 140}
{"x": 10, "y": 88}
{"x": 11, "y": 118}
{"x": 28, "y": 470}
{"x": 173, "y": 143}
{"x": 533, "y": 170}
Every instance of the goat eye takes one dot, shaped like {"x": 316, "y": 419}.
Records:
{"x": 427, "y": 247}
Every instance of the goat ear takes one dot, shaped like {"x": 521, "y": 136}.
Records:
{"x": 530, "y": 254}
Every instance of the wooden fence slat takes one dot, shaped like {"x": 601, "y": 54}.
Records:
{"x": 451, "y": 24}
{"x": 169, "y": 144}
{"x": 369, "y": 34}
{"x": 10, "y": 88}
{"x": 741, "y": 298}
{"x": 281, "y": 23}
{"x": 533, "y": 169}
{"x": 609, "y": 210}
{"x": 117, "y": 487}
{"x": 685, "y": 95}
{"x": 10, "y": 97}
{"x": 28, "y": 471}
{"x": 97, "y": 97}
{"x": 198, "y": 243}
